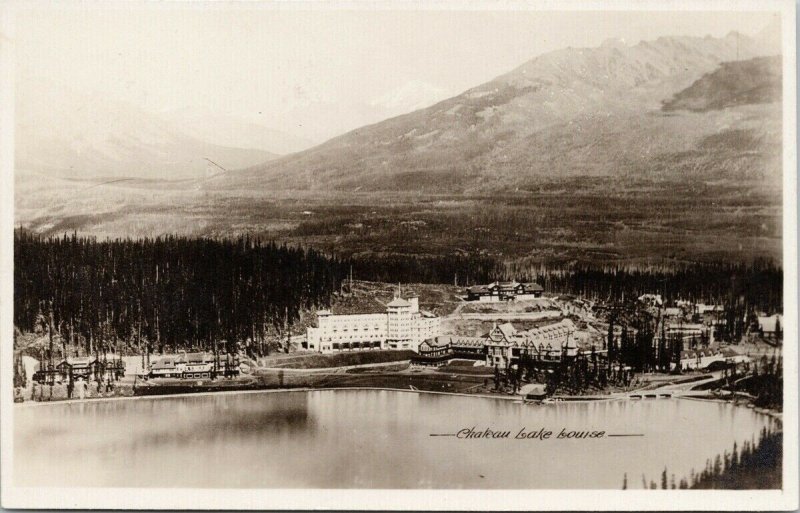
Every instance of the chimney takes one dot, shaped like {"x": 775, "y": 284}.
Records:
{"x": 414, "y": 304}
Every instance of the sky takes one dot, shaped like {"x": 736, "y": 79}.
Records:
{"x": 312, "y": 73}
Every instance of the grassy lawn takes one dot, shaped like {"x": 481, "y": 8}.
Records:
{"x": 324, "y": 361}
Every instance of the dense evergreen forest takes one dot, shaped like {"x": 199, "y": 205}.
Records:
{"x": 179, "y": 293}
{"x": 166, "y": 291}
{"x": 740, "y": 286}
{"x": 757, "y": 465}
{"x": 758, "y": 284}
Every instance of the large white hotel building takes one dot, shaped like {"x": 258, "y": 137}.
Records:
{"x": 402, "y": 326}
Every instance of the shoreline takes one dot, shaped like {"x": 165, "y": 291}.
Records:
{"x": 769, "y": 412}
{"x": 616, "y": 396}
{"x": 270, "y": 391}
{"x": 514, "y": 398}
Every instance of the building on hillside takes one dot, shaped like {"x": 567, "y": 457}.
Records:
{"x": 504, "y": 291}
{"x": 402, "y": 326}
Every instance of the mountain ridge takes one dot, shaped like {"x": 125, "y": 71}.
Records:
{"x": 485, "y": 136}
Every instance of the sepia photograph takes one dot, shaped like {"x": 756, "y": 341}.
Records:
{"x": 394, "y": 255}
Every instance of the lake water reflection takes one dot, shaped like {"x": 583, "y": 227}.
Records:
{"x": 365, "y": 439}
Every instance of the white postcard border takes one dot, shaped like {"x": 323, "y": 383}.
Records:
{"x": 168, "y": 498}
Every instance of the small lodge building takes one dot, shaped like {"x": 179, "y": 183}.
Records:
{"x": 193, "y": 366}
{"x": 167, "y": 367}
{"x": 504, "y": 291}
{"x": 533, "y": 392}
{"x": 438, "y": 351}
{"x": 85, "y": 367}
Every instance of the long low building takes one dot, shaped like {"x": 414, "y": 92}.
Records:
{"x": 504, "y": 291}
{"x": 504, "y": 345}
{"x": 402, "y": 326}
{"x": 703, "y": 358}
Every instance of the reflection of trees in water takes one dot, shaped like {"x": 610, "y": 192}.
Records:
{"x": 153, "y": 424}
{"x": 246, "y": 416}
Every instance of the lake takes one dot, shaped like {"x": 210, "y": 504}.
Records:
{"x": 367, "y": 439}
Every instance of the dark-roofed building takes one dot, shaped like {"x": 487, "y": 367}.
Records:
{"x": 85, "y": 367}
{"x": 504, "y": 291}
{"x": 439, "y": 350}
{"x": 505, "y": 344}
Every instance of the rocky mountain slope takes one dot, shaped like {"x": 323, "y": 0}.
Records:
{"x": 733, "y": 84}
{"x": 573, "y": 112}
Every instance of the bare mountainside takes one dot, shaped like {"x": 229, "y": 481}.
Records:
{"x": 573, "y": 112}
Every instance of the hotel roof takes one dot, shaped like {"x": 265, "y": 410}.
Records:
{"x": 398, "y": 302}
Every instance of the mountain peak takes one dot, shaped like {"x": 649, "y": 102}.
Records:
{"x": 548, "y": 116}
{"x": 413, "y": 95}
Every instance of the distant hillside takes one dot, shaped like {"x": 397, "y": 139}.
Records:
{"x": 65, "y": 133}
{"x": 573, "y": 112}
{"x": 735, "y": 83}
{"x": 233, "y": 132}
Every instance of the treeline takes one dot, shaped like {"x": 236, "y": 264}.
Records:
{"x": 177, "y": 292}
{"x": 765, "y": 383}
{"x": 583, "y": 373}
{"x": 172, "y": 291}
{"x": 740, "y": 287}
{"x": 758, "y": 284}
{"x": 457, "y": 269}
